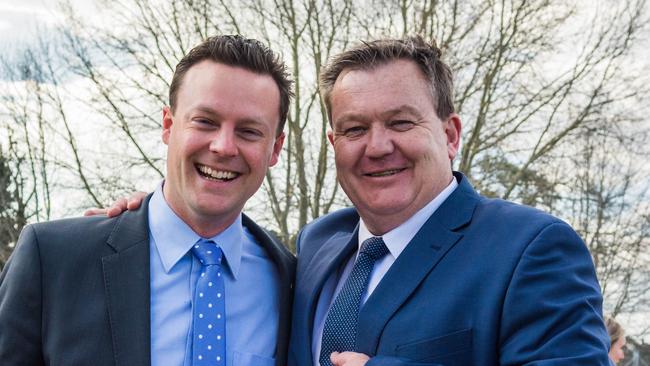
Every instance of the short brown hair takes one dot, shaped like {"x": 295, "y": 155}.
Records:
{"x": 369, "y": 55}
{"x": 235, "y": 50}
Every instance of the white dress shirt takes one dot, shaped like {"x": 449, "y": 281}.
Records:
{"x": 396, "y": 240}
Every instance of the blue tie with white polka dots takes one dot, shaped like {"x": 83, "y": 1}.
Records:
{"x": 340, "y": 329}
{"x": 208, "y": 309}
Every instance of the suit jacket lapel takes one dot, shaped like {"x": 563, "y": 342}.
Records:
{"x": 285, "y": 263}
{"x": 126, "y": 282}
{"x": 324, "y": 263}
{"x": 403, "y": 277}
{"x": 429, "y": 246}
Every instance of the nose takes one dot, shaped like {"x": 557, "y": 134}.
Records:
{"x": 223, "y": 142}
{"x": 380, "y": 142}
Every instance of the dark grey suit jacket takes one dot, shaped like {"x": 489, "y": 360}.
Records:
{"x": 76, "y": 292}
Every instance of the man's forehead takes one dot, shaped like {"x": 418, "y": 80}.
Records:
{"x": 372, "y": 66}
{"x": 209, "y": 74}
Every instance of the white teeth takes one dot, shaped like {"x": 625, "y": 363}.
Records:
{"x": 385, "y": 173}
{"x": 216, "y": 174}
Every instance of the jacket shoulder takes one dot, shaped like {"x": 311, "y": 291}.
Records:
{"x": 73, "y": 239}
{"x": 512, "y": 212}
{"x": 269, "y": 240}
{"x": 78, "y": 228}
{"x": 343, "y": 220}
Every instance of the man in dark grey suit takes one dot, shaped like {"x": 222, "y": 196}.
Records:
{"x": 120, "y": 291}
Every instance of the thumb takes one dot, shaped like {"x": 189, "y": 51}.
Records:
{"x": 335, "y": 357}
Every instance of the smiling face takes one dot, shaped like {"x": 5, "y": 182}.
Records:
{"x": 393, "y": 154}
{"x": 221, "y": 140}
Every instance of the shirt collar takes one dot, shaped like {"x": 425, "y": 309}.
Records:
{"x": 397, "y": 239}
{"x": 173, "y": 238}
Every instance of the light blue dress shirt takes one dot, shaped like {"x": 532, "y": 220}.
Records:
{"x": 251, "y": 282}
{"x": 396, "y": 240}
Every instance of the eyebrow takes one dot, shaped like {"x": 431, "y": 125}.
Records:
{"x": 404, "y": 108}
{"x": 214, "y": 113}
{"x": 351, "y": 116}
{"x": 205, "y": 109}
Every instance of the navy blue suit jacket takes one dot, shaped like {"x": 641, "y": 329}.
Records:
{"x": 484, "y": 282}
{"x": 76, "y": 292}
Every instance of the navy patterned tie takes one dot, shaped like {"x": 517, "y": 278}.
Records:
{"x": 209, "y": 308}
{"x": 340, "y": 330}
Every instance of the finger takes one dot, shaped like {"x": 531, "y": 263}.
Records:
{"x": 336, "y": 357}
{"x": 117, "y": 207}
{"x": 135, "y": 200}
{"x": 95, "y": 211}
{"x": 348, "y": 358}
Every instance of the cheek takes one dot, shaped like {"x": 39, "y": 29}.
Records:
{"x": 347, "y": 154}
{"x": 257, "y": 157}
{"x": 193, "y": 140}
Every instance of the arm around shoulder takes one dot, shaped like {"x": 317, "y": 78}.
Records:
{"x": 21, "y": 304}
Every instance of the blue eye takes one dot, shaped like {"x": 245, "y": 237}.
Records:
{"x": 251, "y": 134}
{"x": 354, "y": 131}
{"x": 202, "y": 121}
{"x": 402, "y": 125}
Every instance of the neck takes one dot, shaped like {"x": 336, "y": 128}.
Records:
{"x": 204, "y": 225}
{"x": 209, "y": 227}
{"x": 380, "y": 222}
{"x": 380, "y": 225}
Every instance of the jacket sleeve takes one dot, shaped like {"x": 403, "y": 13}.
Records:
{"x": 552, "y": 312}
{"x": 21, "y": 304}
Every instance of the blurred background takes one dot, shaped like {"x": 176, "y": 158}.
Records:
{"x": 553, "y": 96}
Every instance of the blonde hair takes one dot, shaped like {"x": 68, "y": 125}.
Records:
{"x": 614, "y": 329}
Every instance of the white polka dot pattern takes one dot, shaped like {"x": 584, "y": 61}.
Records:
{"x": 340, "y": 330}
{"x": 208, "y": 326}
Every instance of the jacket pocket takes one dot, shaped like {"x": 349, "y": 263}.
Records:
{"x": 449, "y": 349}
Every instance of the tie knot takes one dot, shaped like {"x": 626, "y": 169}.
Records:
{"x": 207, "y": 252}
{"x": 374, "y": 247}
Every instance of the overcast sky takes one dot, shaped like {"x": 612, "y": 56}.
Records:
{"x": 20, "y": 19}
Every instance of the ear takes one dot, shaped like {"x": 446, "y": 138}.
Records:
{"x": 167, "y": 122}
{"x": 277, "y": 149}
{"x": 330, "y": 137}
{"x": 453, "y": 129}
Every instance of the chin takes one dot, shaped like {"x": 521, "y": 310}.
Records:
{"x": 384, "y": 208}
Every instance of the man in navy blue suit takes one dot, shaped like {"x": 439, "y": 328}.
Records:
{"x": 424, "y": 270}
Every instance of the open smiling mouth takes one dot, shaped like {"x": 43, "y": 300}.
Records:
{"x": 385, "y": 173}
{"x": 215, "y": 175}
